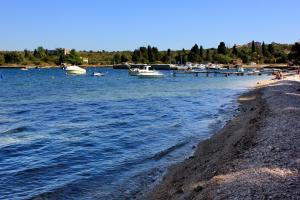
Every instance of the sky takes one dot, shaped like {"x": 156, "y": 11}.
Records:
{"x": 116, "y": 25}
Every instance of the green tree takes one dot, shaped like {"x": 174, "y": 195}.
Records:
{"x": 194, "y": 53}
{"x": 201, "y": 52}
{"x": 208, "y": 55}
{"x": 263, "y": 49}
{"x": 40, "y": 53}
{"x": 117, "y": 58}
{"x": 295, "y": 53}
{"x": 222, "y": 48}
{"x": 73, "y": 57}
{"x": 2, "y": 60}
{"x": 220, "y": 58}
{"x": 234, "y": 50}
{"x": 143, "y": 55}
{"x": 271, "y": 49}
{"x": 244, "y": 56}
{"x": 150, "y": 54}
{"x": 124, "y": 58}
{"x": 181, "y": 57}
{"x": 156, "y": 54}
{"x": 13, "y": 57}
{"x": 136, "y": 56}
{"x": 253, "y": 48}
{"x": 167, "y": 57}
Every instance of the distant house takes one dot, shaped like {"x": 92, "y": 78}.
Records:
{"x": 66, "y": 51}
{"x": 85, "y": 60}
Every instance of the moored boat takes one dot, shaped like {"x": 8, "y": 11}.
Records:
{"x": 97, "y": 74}
{"x": 75, "y": 70}
{"x": 147, "y": 73}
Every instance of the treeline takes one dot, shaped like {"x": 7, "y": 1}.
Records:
{"x": 253, "y": 52}
{"x": 40, "y": 56}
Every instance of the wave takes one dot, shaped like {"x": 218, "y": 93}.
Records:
{"x": 21, "y": 112}
{"x": 16, "y": 130}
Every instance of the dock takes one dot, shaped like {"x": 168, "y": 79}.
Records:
{"x": 196, "y": 73}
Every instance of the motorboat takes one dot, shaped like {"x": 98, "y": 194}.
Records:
{"x": 254, "y": 72}
{"x": 75, "y": 70}
{"x": 97, "y": 74}
{"x": 147, "y": 73}
{"x": 214, "y": 67}
{"x": 133, "y": 71}
{"x": 24, "y": 68}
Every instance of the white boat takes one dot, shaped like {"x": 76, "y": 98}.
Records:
{"x": 75, "y": 70}
{"x": 254, "y": 72}
{"x": 133, "y": 71}
{"x": 24, "y": 68}
{"x": 147, "y": 73}
{"x": 97, "y": 74}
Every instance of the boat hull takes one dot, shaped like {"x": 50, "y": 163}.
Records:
{"x": 150, "y": 75}
{"x": 74, "y": 72}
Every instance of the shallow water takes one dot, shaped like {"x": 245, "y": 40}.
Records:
{"x": 84, "y": 137}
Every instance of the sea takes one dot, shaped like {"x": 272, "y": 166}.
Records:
{"x": 111, "y": 137}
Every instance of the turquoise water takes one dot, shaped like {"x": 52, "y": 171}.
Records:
{"x": 111, "y": 137}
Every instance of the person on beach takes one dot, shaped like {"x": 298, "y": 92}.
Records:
{"x": 278, "y": 76}
{"x": 298, "y": 71}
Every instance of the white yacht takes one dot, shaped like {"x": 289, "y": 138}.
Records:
{"x": 75, "y": 70}
{"x": 146, "y": 72}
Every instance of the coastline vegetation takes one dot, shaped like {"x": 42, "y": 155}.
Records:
{"x": 257, "y": 52}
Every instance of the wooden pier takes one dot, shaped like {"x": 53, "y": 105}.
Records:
{"x": 196, "y": 73}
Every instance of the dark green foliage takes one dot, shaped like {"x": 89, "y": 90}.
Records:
{"x": 117, "y": 58}
{"x": 124, "y": 58}
{"x": 263, "y": 49}
{"x": 73, "y": 58}
{"x": 181, "y": 57}
{"x": 150, "y": 54}
{"x": 156, "y": 54}
{"x": 253, "y": 48}
{"x": 40, "y": 52}
{"x": 201, "y": 52}
{"x": 220, "y": 58}
{"x": 222, "y": 48}
{"x": 294, "y": 55}
{"x": 271, "y": 48}
{"x": 234, "y": 50}
{"x": 208, "y": 56}
{"x": 266, "y": 53}
{"x": 2, "y": 60}
{"x": 194, "y": 54}
{"x": 14, "y": 57}
{"x": 136, "y": 56}
{"x": 146, "y": 55}
{"x": 244, "y": 56}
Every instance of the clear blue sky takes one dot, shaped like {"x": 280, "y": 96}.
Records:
{"x": 128, "y": 24}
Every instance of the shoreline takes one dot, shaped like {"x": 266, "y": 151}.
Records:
{"x": 243, "y": 160}
{"x": 246, "y": 66}
{"x": 14, "y": 66}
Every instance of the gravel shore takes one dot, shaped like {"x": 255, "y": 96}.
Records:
{"x": 255, "y": 156}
